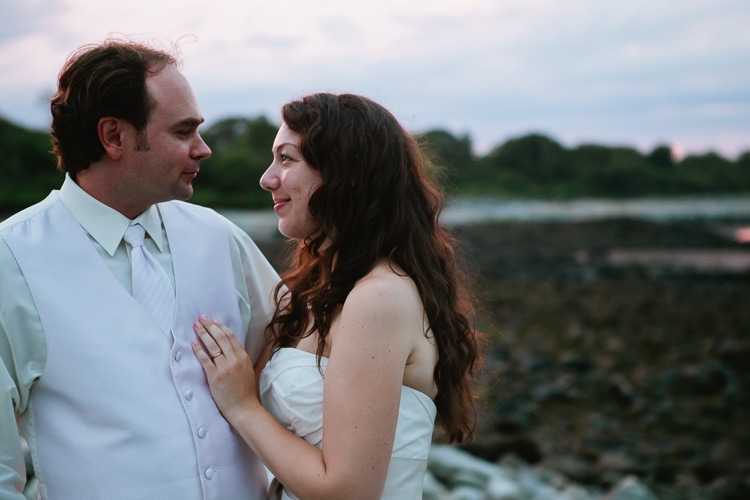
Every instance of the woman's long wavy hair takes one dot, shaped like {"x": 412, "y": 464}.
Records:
{"x": 376, "y": 201}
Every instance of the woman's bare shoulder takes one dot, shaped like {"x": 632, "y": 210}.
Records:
{"x": 388, "y": 287}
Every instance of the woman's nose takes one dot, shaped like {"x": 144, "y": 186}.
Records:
{"x": 269, "y": 181}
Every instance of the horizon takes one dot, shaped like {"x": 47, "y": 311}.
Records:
{"x": 677, "y": 156}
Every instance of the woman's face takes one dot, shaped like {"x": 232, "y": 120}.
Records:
{"x": 291, "y": 182}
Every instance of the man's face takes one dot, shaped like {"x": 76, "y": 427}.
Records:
{"x": 165, "y": 156}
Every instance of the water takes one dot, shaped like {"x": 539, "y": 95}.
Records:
{"x": 465, "y": 211}
{"x": 262, "y": 224}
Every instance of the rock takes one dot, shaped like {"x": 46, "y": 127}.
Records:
{"x": 466, "y": 493}
{"x": 493, "y": 447}
{"x": 556, "y": 390}
{"x": 619, "y": 462}
{"x": 573, "y": 467}
{"x": 576, "y": 363}
{"x": 511, "y": 479}
{"x": 729, "y": 489}
{"x": 706, "y": 470}
{"x": 502, "y": 489}
{"x": 697, "y": 380}
{"x": 513, "y": 414}
{"x": 540, "y": 483}
{"x": 621, "y": 390}
{"x": 457, "y": 468}
{"x": 630, "y": 488}
{"x": 736, "y": 353}
{"x": 432, "y": 489}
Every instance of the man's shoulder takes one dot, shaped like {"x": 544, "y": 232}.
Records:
{"x": 188, "y": 208}
{"x": 29, "y": 213}
{"x": 185, "y": 212}
{"x": 184, "y": 209}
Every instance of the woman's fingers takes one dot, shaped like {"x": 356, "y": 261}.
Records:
{"x": 203, "y": 358}
{"x": 218, "y": 340}
{"x": 209, "y": 334}
{"x": 228, "y": 367}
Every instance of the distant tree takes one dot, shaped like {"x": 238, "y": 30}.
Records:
{"x": 241, "y": 152}
{"x": 234, "y": 169}
{"x": 706, "y": 173}
{"x": 742, "y": 167}
{"x": 27, "y": 169}
{"x": 610, "y": 171}
{"x": 661, "y": 157}
{"x": 536, "y": 157}
{"x": 223, "y": 134}
{"x": 257, "y": 133}
{"x": 743, "y": 161}
{"x": 453, "y": 154}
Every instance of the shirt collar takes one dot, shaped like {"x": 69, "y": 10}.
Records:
{"x": 105, "y": 224}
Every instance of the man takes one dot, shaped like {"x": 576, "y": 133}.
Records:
{"x": 112, "y": 404}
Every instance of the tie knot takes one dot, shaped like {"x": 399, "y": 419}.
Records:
{"x": 134, "y": 235}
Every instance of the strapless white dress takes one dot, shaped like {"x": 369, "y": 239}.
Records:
{"x": 291, "y": 388}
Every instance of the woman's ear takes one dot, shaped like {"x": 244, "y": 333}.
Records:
{"x": 110, "y": 132}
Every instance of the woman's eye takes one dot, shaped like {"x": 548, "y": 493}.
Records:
{"x": 285, "y": 158}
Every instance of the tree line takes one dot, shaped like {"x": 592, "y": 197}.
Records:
{"x": 530, "y": 166}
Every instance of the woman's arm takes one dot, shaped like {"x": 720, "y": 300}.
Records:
{"x": 370, "y": 347}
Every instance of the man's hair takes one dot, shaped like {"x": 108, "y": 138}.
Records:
{"x": 98, "y": 81}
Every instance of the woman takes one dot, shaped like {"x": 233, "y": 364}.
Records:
{"x": 372, "y": 336}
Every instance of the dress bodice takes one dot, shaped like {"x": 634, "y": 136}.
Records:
{"x": 291, "y": 388}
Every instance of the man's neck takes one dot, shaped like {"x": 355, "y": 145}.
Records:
{"x": 102, "y": 186}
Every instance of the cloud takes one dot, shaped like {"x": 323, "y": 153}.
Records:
{"x": 636, "y": 72}
{"x": 20, "y": 19}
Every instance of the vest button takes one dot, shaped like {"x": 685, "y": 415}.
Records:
{"x": 202, "y": 433}
{"x": 209, "y": 473}
{"x": 178, "y": 356}
{"x": 189, "y": 394}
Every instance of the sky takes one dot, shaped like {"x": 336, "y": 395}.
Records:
{"x": 637, "y": 73}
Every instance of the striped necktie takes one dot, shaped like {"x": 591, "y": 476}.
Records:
{"x": 151, "y": 285}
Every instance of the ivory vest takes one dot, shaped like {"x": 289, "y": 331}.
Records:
{"x": 123, "y": 410}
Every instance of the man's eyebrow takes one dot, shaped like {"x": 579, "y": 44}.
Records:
{"x": 189, "y": 122}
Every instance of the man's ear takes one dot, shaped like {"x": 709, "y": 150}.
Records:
{"x": 111, "y": 132}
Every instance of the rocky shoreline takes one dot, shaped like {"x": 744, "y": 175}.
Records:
{"x": 603, "y": 369}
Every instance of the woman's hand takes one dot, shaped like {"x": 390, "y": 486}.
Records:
{"x": 228, "y": 368}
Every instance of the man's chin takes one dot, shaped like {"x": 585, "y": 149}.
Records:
{"x": 184, "y": 191}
